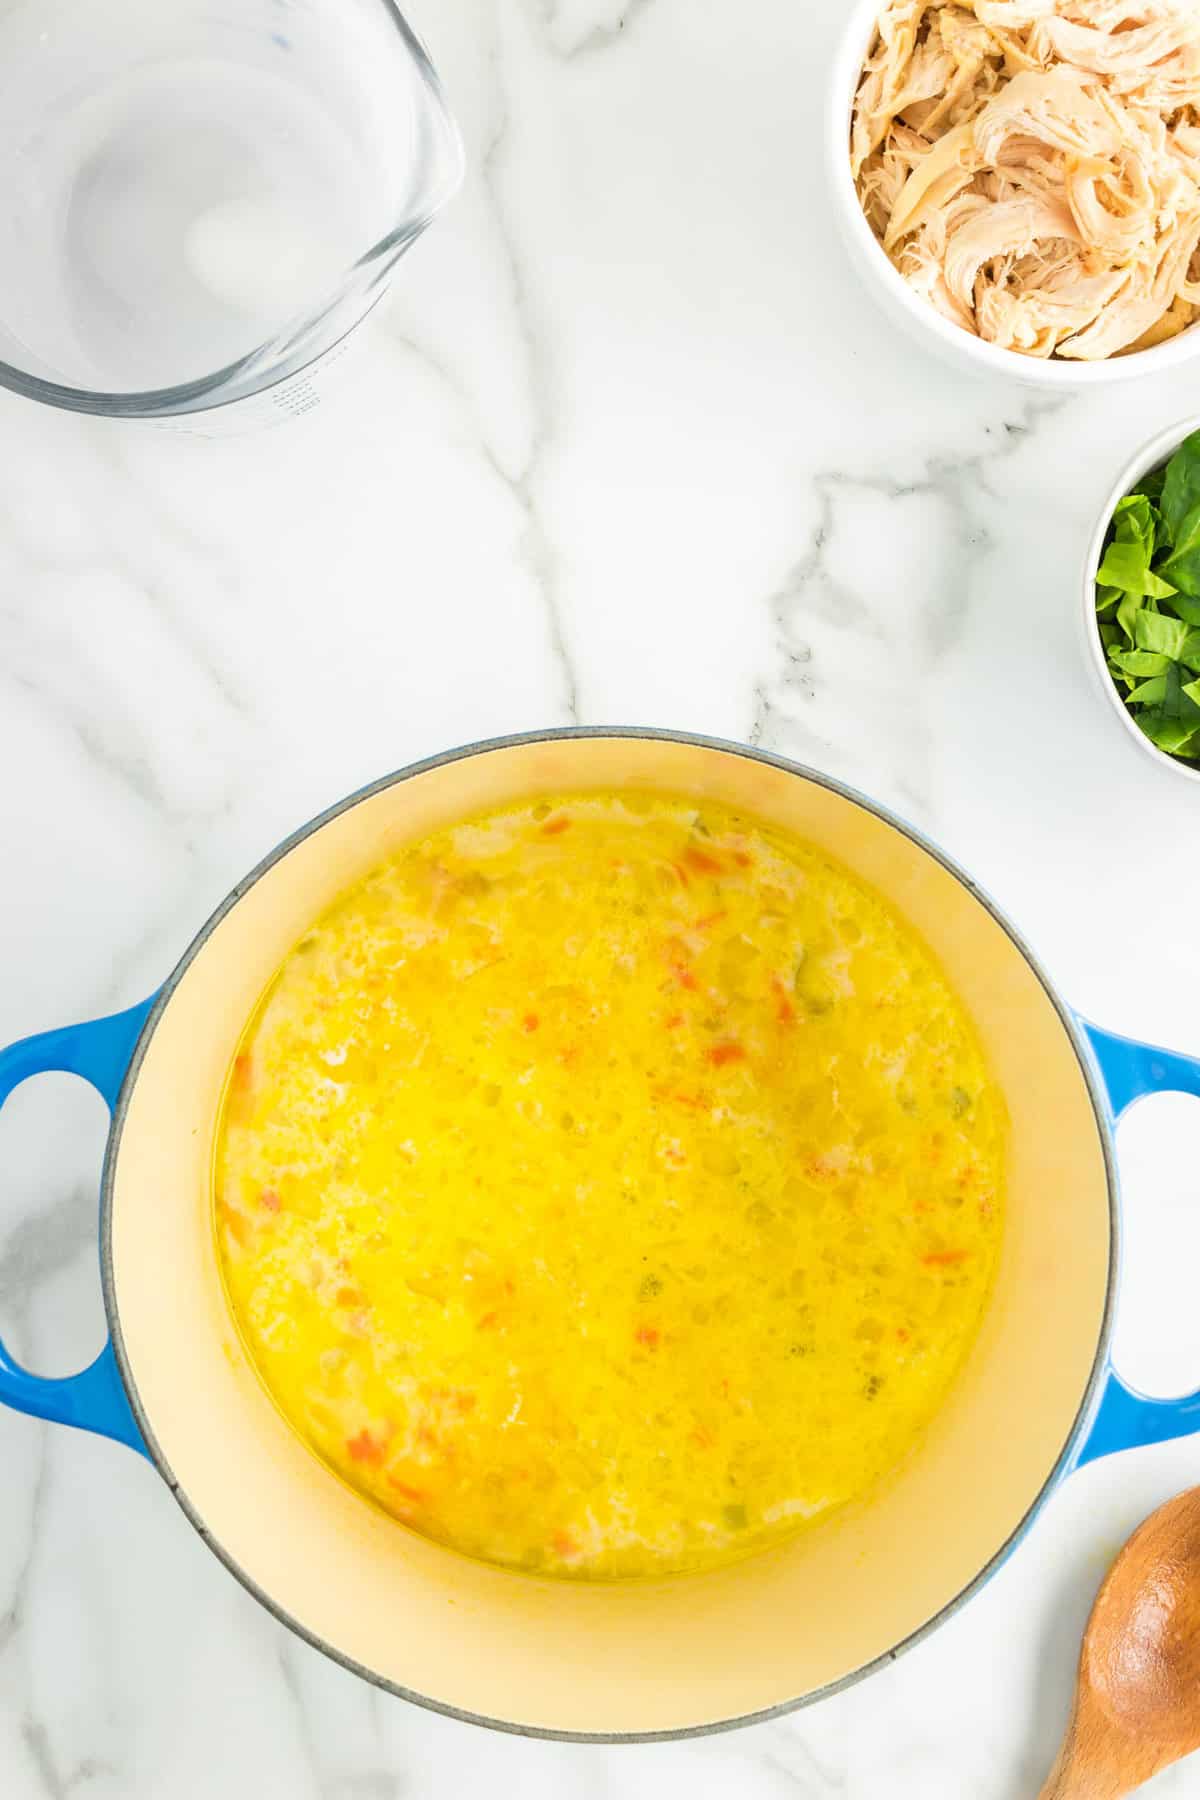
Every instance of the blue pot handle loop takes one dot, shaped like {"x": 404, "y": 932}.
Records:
{"x": 99, "y": 1052}
{"x": 1125, "y": 1418}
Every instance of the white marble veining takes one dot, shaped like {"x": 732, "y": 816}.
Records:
{"x": 628, "y": 444}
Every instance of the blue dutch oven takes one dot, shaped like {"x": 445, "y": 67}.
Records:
{"x": 1038, "y": 1398}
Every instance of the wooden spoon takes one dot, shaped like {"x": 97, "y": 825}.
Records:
{"x": 1137, "y": 1701}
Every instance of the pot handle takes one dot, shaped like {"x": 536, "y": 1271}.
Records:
{"x": 1124, "y": 1418}
{"x": 99, "y": 1052}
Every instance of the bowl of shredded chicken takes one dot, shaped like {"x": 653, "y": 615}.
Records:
{"x": 1031, "y": 171}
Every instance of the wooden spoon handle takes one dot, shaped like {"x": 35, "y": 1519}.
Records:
{"x": 1067, "y": 1780}
{"x": 1099, "y": 1762}
{"x": 1071, "y": 1779}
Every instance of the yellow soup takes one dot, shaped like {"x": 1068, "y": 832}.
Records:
{"x": 606, "y": 1187}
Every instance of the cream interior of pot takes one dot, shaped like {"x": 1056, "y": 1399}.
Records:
{"x": 634, "y": 1657}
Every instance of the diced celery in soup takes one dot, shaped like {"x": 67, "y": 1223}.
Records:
{"x": 607, "y": 1187}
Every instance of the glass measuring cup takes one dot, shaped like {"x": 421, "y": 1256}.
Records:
{"x": 200, "y": 199}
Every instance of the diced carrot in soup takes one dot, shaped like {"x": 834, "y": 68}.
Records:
{"x": 363, "y": 1448}
{"x": 702, "y": 861}
{"x": 414, "y": 1495}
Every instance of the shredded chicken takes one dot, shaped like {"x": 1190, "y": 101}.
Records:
{"x": 1032, "y": 167}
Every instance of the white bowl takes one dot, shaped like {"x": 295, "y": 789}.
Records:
{"x": 1149, "y": 457}
{"x": 906, "y": 306}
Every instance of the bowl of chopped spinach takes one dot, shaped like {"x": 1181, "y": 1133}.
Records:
{"x": 1142, "y": 599}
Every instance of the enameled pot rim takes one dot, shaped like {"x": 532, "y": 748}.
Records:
{"x": 560, "y": 734}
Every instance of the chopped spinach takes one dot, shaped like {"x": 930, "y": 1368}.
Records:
{"x": 1148, "y": 603}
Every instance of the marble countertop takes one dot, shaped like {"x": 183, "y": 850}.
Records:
{"x": 628, "y": 445}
